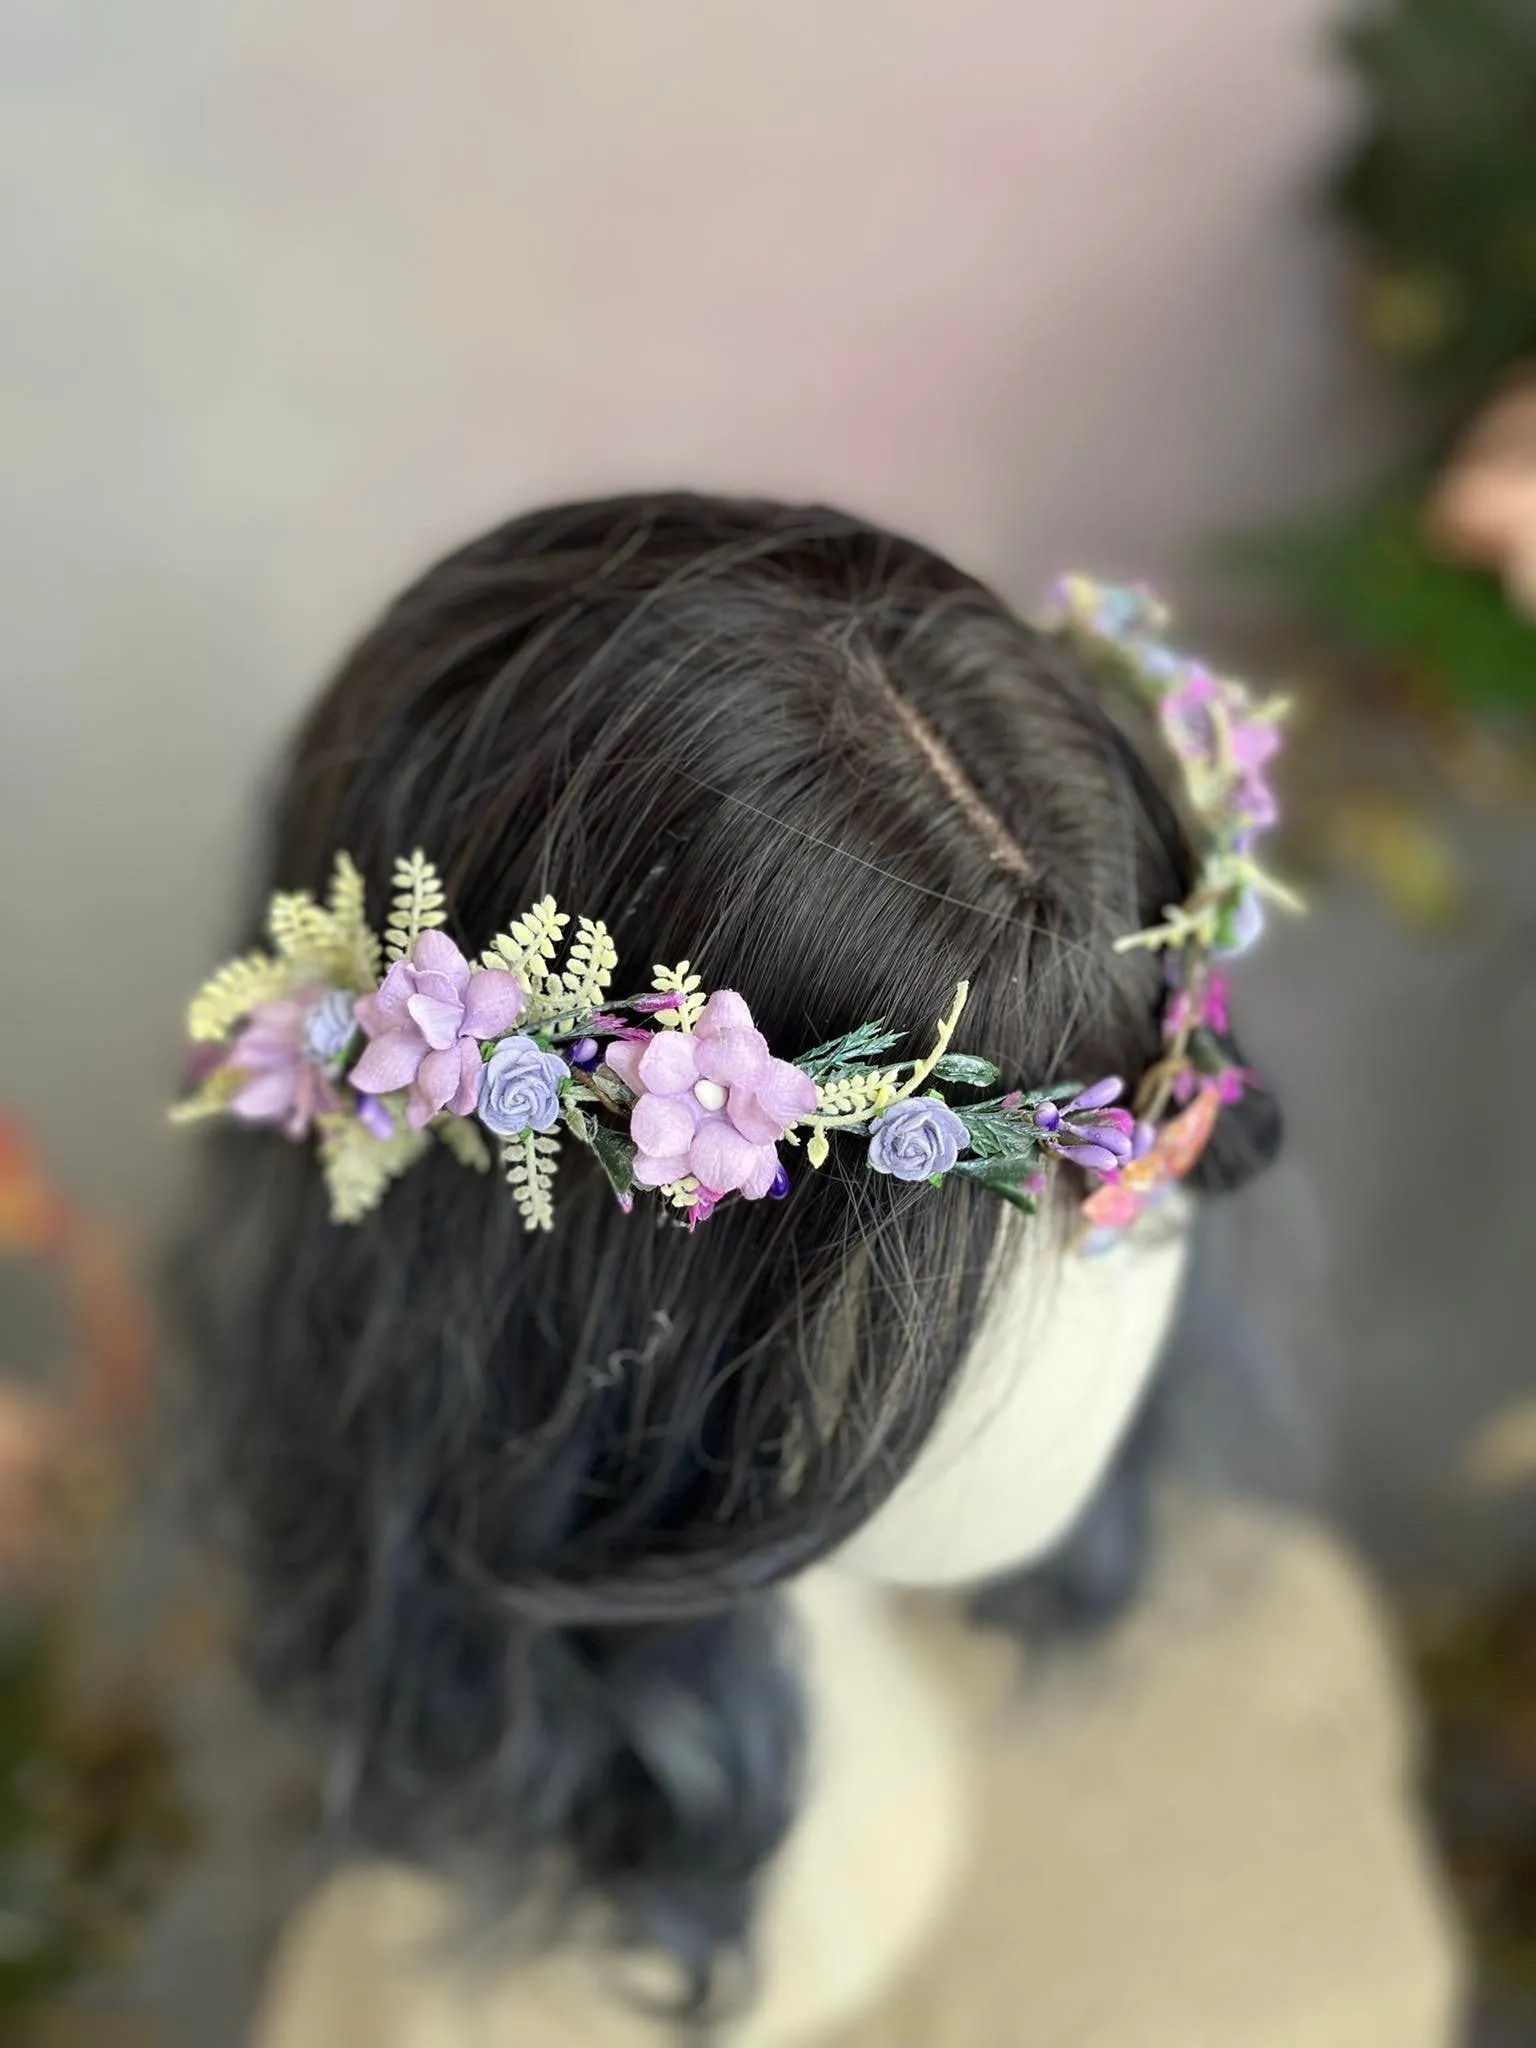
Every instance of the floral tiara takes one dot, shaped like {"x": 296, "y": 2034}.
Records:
{"x": 674, "y": 1089}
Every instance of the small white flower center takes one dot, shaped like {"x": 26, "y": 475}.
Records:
{"x": 709, "y": 1094}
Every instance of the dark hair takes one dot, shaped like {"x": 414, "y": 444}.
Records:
{"x": 512, "y": 1510}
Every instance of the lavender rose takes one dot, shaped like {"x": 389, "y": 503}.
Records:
{"x": 915, "y": 1140}
{"x": 520, "y": 1088}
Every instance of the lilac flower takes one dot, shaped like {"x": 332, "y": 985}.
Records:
{"x": 374, "y": 1116}
{"x": 286, "y": 1086}
{"x": 712, "y": 1103}
{"x": 916, "y": 1139}
{"x": 330, "y": 1027}
{"x": 425, "y": 1024}
{"x": 1086, "y": 1131}
{"x": 520, "y": 1088}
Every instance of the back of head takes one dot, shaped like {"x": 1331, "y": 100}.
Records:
{"x": 511, "y": 1508}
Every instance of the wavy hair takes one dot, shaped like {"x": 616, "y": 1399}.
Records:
{"x": 511, "y": 1511}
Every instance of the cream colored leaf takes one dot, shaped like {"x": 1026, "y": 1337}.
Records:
{"x": 230, "y": 995}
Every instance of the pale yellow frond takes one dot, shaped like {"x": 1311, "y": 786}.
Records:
{"x": 419, "y": 905}
{"x": 529, "y": 947}
{"x": 361, "y": 955}
{"x": 359, "y": 1167}
{"x": 303, "y": 934}
{"x": 466, "y": 1141}
{"x": 530, "y": 1163}
{"x": 230, "y": 995}
{"x": 590, "y": 968}
{"x": 212, "y": 1098}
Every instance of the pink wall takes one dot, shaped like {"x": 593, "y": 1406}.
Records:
{"x": 301, "y": 290}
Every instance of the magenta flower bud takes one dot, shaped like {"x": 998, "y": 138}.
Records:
{"x": 1099, "y": 1096}
{"x": 1047, "y": 1117}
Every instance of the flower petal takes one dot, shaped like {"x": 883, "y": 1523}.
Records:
{"x": 388, "y": 1004}
{"x": 437, "y": 1080}
{"x": 765, "y": 1172}
{"x": 725, "y": 1011}
{"x": 466, "y": 1097}
{"x": 437, "y": 1022}
{"x": 493, "y": 1002}
{"x": 267, "y": 1098}
{"x": 733, "y": 1057}
{"x": 751, "y": 1119}
{"x": 663, "y": 1123}
{"x": 390, "y": 1062}
{"x": 435, "y": 953}
{"x": 669, "y": 1064}
{"x": 784, "y": 1092}
{"x": 623, "y": 1058}
{"x": 656, "y": 1169}
{"x": 721, "y": 1157}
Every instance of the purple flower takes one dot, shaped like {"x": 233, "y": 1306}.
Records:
{"x": 375, "y": 1117}
{"x": 520, "y": 1088}
{"x": 330, "y": 1027}
{"x": 1087, "y": 1130}
{"x": 285, "y": 1085}
{"x": 916, "y": 1139}
{"x": 425, "y": 1024}
{"x": 712, "y": 1103}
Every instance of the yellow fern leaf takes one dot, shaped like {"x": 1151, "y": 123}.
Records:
{"x": 530, "y": 1169}
{"x": 528, "y": 947}
{"x": 466, "y": 1141}
{"x": 359, "y": 1167}
{"x": 231, "y": 994}
{"x": 212, "y": 1098}
{"x": 419, "y": 905}
{"x": 302, "y": 933}
{"x": 589, "y": 971}
{"x": 358, "y": 944}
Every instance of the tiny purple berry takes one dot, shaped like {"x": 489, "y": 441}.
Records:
{"x": 780, "y": 1186}
{"x": 584, "y": 1054}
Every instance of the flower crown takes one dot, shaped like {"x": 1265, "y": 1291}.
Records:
{"x": 675, "y": 1090}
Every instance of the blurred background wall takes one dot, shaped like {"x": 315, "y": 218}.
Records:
{"x": 300, "y": 294}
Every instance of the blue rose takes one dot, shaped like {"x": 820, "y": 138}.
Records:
{"x": 520, "y": 1088}
{"x": 914, "y": 1140}
{"x": 330, "y": 1027}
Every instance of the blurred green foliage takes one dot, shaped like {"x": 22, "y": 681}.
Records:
{"x": 1438, "y": 199}
{"x": 90, "y": 1824}
{"x": 1440, "y": 192}
{"x": 1368, "y": 578}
